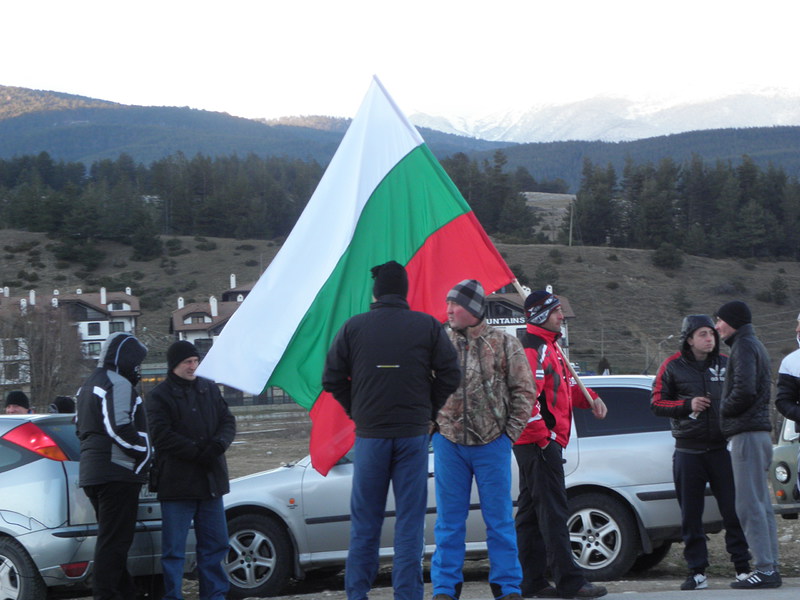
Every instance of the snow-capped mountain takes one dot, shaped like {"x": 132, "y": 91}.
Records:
{"x": 620, "y": 119}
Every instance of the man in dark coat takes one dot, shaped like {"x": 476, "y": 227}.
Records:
{"x": 747, "y": 425}
{"x": 687, "y": 389}
{"x": 115, "y": 452}
{"x": 391, "y": 369}
{"x": 191, "y": 427}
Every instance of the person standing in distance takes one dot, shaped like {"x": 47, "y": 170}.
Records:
{"x": 391, "y": 369}
{"x": 192, "y": 428}
{"x": 476, "y": 428}
{"x": 687, "y": 389}
{"x": 115, "y": 452}
{"x": 17, "y": 403}
{"x": 542, "y": 511}
{"x": 747, "y": 425}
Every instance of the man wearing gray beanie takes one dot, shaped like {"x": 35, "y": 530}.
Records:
{"x": 476, "y": 429}
{"x": 746, "y": 423}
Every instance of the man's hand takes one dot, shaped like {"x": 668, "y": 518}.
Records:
{"x": 700, "y": 403}
{"x": 599, "y": 409}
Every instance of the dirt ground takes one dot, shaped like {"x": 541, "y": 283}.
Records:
{"x": 267, "y": 439}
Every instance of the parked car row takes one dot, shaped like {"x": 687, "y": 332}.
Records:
{"x": 291, "y": 522}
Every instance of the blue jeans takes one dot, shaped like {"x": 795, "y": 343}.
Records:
{"x": 404, "y": 463}
{"x": 455, "y": 466}
{"x": 211, "y": 532}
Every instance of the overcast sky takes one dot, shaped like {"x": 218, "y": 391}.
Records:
{"x": 454, "y": 58}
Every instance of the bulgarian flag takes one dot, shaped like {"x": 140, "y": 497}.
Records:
{"x": 383, "y": 197}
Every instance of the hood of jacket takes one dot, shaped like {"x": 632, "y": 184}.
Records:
{"x": 123, "y": 354}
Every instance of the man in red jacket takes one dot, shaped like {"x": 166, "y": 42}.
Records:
{"x": 542, "y": 512}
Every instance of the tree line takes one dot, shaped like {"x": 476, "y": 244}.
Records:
{"x": 229, "y": 196}
{"x": 717, "y": 210}
{"x": 707, "y": 209}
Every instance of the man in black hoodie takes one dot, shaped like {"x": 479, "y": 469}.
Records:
{"x": 391, "y": 369}
{"x": 115, "y": 451}
{"x": 687, "y": 389}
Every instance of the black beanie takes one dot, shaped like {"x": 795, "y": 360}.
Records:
{"x": 736, "y": 314}
{"x": 179, "y": 352}
{"x": 390, "y": 278}
{"x": 18, "y": 398}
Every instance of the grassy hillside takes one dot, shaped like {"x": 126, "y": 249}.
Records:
{"x": 625, "y": 307}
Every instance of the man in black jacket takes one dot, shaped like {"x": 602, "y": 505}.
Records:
{"x": 687, "y": 389}
{"x": 747, "y": 425}
{"x": 191, "y": 428}
{"x": 391, "y": 369}
{"x": 115, "y": 452}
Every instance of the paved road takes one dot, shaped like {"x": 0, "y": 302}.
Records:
{"x": 662, "y": 589}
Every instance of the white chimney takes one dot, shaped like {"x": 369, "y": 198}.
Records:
{"x": 103, "y": 296}
{"x": 6, "y": 292}
{"x": 180, "y": 302}
{"x": 54, "y": 302}
{"x": 55, "y": 292}
{"x": 23, "y": 305}
{"x": 32, "y": 297}
{"x": 79, "y": 291}
{"x": 128, "y": 291}
{"x": 213, "y": 302}
{"x": 233, "y": 281}
{"x": 240, "y": 298}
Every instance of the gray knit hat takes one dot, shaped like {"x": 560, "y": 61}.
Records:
{"x": 469, "y": 294}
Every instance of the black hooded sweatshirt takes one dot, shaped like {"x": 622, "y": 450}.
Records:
{"x": 111, "y": 421}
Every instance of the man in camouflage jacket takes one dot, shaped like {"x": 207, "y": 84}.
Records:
{"x": 476, "y": 428}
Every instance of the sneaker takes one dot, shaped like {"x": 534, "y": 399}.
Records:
{"x": 695, "y": 581}
{"x": 589, "y": 590}
{"x": 743, "y": 575}
{"x": 547, "y": 591}
{"x": 758, "y": 579}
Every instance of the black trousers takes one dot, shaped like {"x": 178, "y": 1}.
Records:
{"x": 692, "y": 471}
{"x": 115, "y": 504}
{"x": 541, "y": 521}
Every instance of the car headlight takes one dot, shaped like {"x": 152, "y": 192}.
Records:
{"x": 782, "y": 472}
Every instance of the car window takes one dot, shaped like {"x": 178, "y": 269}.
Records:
{"x": 628, "y": 412}
{"x": 63, "y": 434}
{"x": 12, "y": 456}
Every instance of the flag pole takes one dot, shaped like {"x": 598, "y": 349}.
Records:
{"x": 572, "y": 371}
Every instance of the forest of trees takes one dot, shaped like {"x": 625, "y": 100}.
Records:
{"x": 717, "y": 210}
{"x": 245, "y": 198}
{"x": 713, "y": 210}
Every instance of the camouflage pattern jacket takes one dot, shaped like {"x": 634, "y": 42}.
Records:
{"x": 497, "y": 390}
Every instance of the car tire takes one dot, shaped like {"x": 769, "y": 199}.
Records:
{"x": 19, "y": 577}
{"x": 648, "y": 561}
{"x": 603, "y": 536}
{"x": 259, "y": 560}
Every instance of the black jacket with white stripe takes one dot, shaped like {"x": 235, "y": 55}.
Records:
{"x": 111, "y": 422}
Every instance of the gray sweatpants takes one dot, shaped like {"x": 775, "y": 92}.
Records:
{"x": 751, "y": 455}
